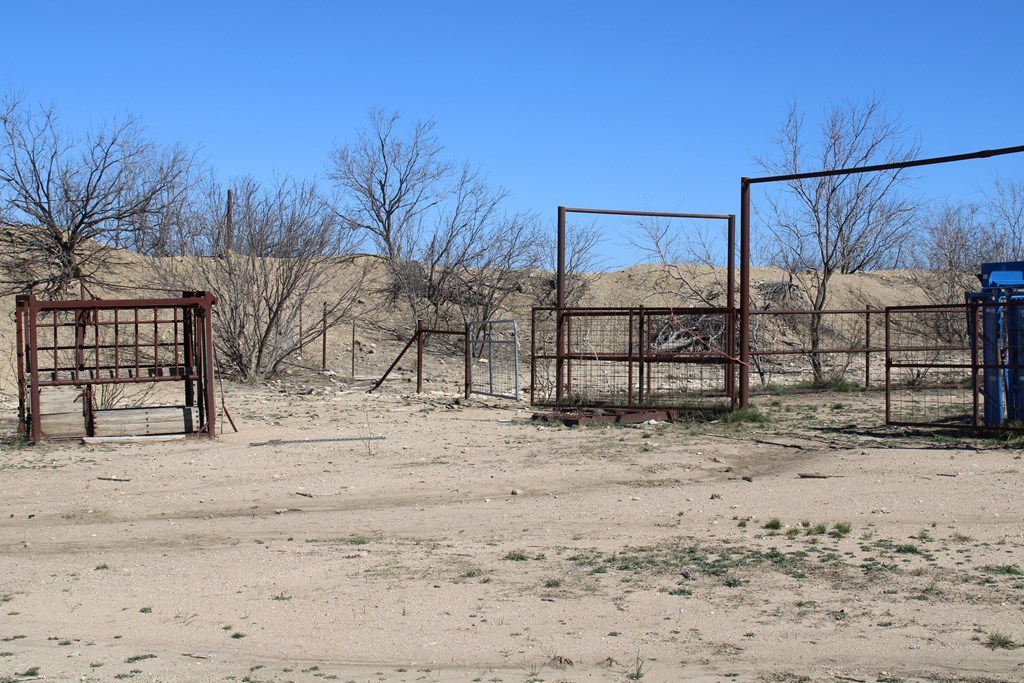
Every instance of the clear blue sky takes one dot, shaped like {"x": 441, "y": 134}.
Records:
{"x": 658, "y": 105}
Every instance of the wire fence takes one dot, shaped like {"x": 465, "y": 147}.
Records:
{"x": 633, "y": 358}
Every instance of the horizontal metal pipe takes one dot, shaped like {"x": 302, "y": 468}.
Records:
{"x": 651, "y": 214}
{"x": 120, "y": 304}
{"x": 982, "y": 154}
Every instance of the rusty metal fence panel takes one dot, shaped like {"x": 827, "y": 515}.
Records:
{"x": 672, "y": 358}
{"x": 801, "y": 349}
{"x": 95, "y": 345}
{"x": 931, "y": 373}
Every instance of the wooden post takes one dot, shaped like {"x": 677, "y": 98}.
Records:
{"x": 353, "y": 352}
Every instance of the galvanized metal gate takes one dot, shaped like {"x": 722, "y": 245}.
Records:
{"x": 492, "y": 363}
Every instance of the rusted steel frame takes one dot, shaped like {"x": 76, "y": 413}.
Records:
{"x": 867, "y": 347}
{"x": 468, "y": 364}
{"x": 123, "y": 304}
{"x": 949, "y": 366}
{"x": 35, "y": 429}
{"x": 111, "y": 380}
{"x": 189, "y": 340}
{"x": 959, "y": 366}
{"x": 533, "y": 355}
{"x": 647, "y": 214}
{"x": 156, "y": 337}
{"x": 641, "y": 354}
{"x": 929, "y": 308}
{"x": 629, "y": 371}
{"x": 206, "y": 309}
{"x": 648, "y": 358}
{"x": 19, "y": 331}
{"x": 323, "y": 328}
{"x": 744, "y": 293}
{"x": 832, "y": 351}
{"x": 746, "y": 182}
{"x": 730, "y": 303}
{"x": 419, "y": 356}
{"x": 982, "y": 154}
{"x": 888, "y": 368}
{"x": 560, "y": 306}
{"x": 839, "y": 311}
{"x": 597, "y": 311}
{"x": 928, "y": 348}
{"x": 56, "y": 339}
{"x": 568, "y": 353}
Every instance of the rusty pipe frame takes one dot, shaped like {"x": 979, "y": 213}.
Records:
{"x": 746, "y": 182}
{"x": 87, "y": 318}
{"x": 560, "y": 365}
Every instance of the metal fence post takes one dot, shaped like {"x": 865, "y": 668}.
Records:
{"x": 419, "y": 356}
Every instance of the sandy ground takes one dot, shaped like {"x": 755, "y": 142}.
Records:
{"x": 471, "y": 544}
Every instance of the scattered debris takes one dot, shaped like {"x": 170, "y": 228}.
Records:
{"x": 113, "y": 479}
{"x": 716, "y": 496}
{"x": 303, "y": 494}
{"x": 816, "y": 475}
{"x": 198, "y": 655}
{"x": 748, "y": 478}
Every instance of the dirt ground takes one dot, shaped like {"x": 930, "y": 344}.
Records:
{"x": 349, "y": 536}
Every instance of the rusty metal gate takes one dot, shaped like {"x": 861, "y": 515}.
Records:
{"x": 79, "y": 363}
{"x": 936, "y": 373}
{"x": 634, "y": 358}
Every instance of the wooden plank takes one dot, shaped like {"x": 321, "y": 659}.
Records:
{"x": 62, "y": 425}
{"x": 132, "y": 439}
{"x": 144, "y": 421}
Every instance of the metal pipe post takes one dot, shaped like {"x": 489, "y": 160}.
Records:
{"x": 560, "y": 306}
{"x": 468, "y": 363}
{"x": 744, "y": 293}
{"x": 419, "y": 356}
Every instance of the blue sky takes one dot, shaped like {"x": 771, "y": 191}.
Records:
{"x": 631, "y": 105}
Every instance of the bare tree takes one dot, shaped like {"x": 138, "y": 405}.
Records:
{"x": 582, "y": 262}
{"x": 1004, "y": 210}
{"x": 69, "y": 199}
{"x": 844, "y": 223}
{"x": 289, "y": 255}
{"x": 451, "y": 252}
{"x": 950, "y": 249}
{"x": 686, "y": 257}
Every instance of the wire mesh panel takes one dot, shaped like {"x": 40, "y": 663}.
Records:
{"x": 494, "y": 358}
{"x": 812, "y": 349}
{"x": 931, "y": 368}
{"x": 633, "y": 358}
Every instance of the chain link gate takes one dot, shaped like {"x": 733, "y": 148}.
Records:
{"x": 492, "y": 364}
